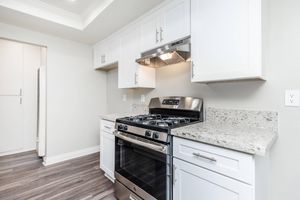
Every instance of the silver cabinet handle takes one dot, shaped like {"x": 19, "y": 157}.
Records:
{"x": 156, "y": 35}
{"x": 161, "y": 34}
{"x": 198, "y": 155}
{"x": 107, "y": 127}
{"x": 21, "y": 100}
{"x": 21, "y": 91}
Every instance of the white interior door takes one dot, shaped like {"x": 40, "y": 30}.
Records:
{"x": 11, "y": 120}
{"x": 11, "y": 85}
{"x": 11, "y": 67}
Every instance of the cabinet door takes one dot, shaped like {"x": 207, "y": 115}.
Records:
{"x": 99, "y": 55}
{"x": 107, "y": 159}
{"x": 146, "y": 77}
{"x": 193, "y": 182}
{"x": 149, "y": 33}
{"x": 226, "y": 39}
{"x": 11, "y": 68}
{"x": 11, "y": 107}
{"x": 113, "y": 50}
{"x": 175, "y": 21}
{"x": 129, "y": 53}
{"x": 11, "y": 124}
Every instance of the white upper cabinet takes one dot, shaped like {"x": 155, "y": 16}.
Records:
{"x": 226, "y": 40}
{"x": 176, "y": 21}
{"x": 113, "y": 50}
{"x": 131, "y": 74}
{"x": 106, "y": 53}
{"x": 150, "y": 33}
{"x": 170, "y": 23}
{"x": 99, "y": 55}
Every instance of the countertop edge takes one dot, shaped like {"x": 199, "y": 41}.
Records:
{"x": 262, "y": 152}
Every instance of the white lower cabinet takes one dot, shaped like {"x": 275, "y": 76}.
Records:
{"x": 194, "y": 182}
{"x": 107, "y": 152}
{"x": 207, "y": 172}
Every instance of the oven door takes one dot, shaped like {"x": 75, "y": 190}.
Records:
{"x": 143, "y": 166}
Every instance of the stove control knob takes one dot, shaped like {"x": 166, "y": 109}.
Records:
{"x": 125, "y": 127}
{"x": 148, "y": 134}
{"x": 121, "y": 127}
{"x": 155, "y": 135}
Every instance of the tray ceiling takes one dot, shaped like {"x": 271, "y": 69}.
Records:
{"x": 76, "y": 7}
{"x": 86, "y": 21}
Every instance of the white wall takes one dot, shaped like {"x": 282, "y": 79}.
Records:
{"x": 282, "y": 66}
{"x": 76, "y": 93}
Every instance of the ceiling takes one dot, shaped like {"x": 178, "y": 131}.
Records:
{"x": 86, "y": 21}
{"x": 77, "y": 7}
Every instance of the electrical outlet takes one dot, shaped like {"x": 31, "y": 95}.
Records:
{"x": 124, "y": 97}
{"x": 292, "y": 98}
{"x": 143, "y": 98}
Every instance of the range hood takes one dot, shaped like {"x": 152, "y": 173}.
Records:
{"x": 172, "y": 53}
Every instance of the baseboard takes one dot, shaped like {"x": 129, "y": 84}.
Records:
{"x": 17, "y": 151}
{"x": 110, "y": 178}
{"x": 71, "y": 155}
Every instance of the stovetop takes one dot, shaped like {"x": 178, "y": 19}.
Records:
{"x": 157, "y": 121}
{"x": 166, "y": 113}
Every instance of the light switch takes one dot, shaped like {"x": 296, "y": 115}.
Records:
{"x": 292, "y": 98}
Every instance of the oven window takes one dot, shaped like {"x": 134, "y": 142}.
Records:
{"x": 144, "y": 167}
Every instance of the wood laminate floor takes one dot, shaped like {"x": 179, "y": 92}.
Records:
{"x": 23, "y": 177}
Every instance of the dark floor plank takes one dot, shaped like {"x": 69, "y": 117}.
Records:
{"x": 23, "y": 177}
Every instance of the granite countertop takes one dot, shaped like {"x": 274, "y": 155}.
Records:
{"x": 251, "y": 132}
{"x": 112, "y": 117}
{"x": 134, "y": 109}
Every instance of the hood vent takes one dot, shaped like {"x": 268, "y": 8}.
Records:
{"x": 175, "y": 52}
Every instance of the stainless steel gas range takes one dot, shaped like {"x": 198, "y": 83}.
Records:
{"x": 143, "y": 150}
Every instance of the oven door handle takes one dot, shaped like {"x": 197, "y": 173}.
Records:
{"x": 149, "y": 145}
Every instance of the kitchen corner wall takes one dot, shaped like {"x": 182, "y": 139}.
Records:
{"x": 76, "y": 93}
{"x": 281, "y": 57}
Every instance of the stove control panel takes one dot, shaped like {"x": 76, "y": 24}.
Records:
{"x": 152, "y": 134}
{"x": 122, "y": 127}
{"x": 147, "y": 133}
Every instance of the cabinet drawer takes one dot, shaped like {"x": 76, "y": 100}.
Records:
{"x": 107, "y": 126}
{"x": 233, "y": 164}
{"x": 196, "y": 183}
